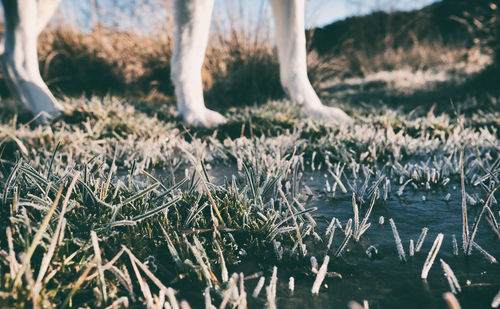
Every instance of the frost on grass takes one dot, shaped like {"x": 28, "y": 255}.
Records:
{"x": 146, "y": 216}
{"x": 201, "y": 227}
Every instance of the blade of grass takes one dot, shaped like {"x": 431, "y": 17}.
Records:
{"x": 478, "y": 218}
{"x": 97, "y": 254}
{"x": 431, "y": 256}
{"x": 133, "y": 198}
{"x": 450, "y": 276}
{"x": 299, "y": 236}
{"x": 320, "y": 276}
{"x": 36, "y": 240}
{"x": 465, "y": 224}
{"x": 142, "y": 283}
{"x": 49, "y": 170}
{"x": 10, "y": 179}
{"x": 399, "y": 245}
{"x": 57, "y": 235}
{"x": 421, "y": 239}
{"x": 205, "y": 186}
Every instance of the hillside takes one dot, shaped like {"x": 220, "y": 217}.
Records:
{"x": 449, "y": 22}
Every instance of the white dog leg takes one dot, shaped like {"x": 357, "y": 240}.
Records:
{"x": 191, "y": 29}
{"x": 20, "y": 57}
{"x": 291, "y": 39}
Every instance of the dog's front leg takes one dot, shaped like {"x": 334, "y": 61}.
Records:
{"x": 191, "y": 29}
{"x": 291, "y": 39}
{"x": 20, "y": 58}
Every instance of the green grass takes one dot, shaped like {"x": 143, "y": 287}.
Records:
{"x": 137, "y": 178}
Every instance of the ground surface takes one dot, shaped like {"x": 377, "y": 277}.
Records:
{"x": 185, "y": 208}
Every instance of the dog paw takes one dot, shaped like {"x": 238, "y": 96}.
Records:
{"x": 205, "y": 118}
{"x": 328, "y": 113}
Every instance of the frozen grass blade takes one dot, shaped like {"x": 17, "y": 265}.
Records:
{"x": 412, "y": 248}
{"x": 330, "y": 227}
{"x": 330, "y": 239}
{"x": 465, "y": 224}
{"x": 291, "y": 284}
{"x": 356, "y": 217}
{"x": 52, "y": 157}
{"x": 432, "y": 256}
{"x": 97, "y": 254}
{"x": 339, "y": 251}
{"x": 485, "y": 253}
{"x": 399, "y": 245}
{"x": 36, "y": 240}
{"x": 172, "y": 299}
{"x": 478, "y": 218}
{"x": 146, "y": 291}
{"x": 314, "y": 264}
{"x": 455, "y": 244}
{"x": 171, "y": 248}
{"x": 198, "y": 255}
{"x": 229, "y": 292}
{"x": 224, "y": 272}
{"x": 359, "y": 230}
{"x": 258, "y": 287}
{"x": 271, "y": 289}
{"x": 11, "y": 177}
{"x": 19, "y": 143}
{"x": 307, "y": 215}
{"x": 156, "y": 210}
{"x": 320, "y": 276}
{"x": 348, "y": 227}
{"x": 421, "y": 239}
{"x": 13, "y": 263}
{"x": 369, "y": 211}
{"x": 205, "y": 187}
{"x": 208, "y": 299}
{"x": 299, "y": 236}
{"x": 450, "y": 276}
{"x": 133, "y": 198}
{"x": 242, "y": 300}
{"x": 338, "y": 181}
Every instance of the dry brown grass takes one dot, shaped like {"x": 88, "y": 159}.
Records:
{"x": 104, "y": 61}
{"x": 237, "y": 70}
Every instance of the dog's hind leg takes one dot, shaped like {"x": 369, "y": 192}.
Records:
{"x": 291, "y": 39}
{"x": 191, "y": 29}
{"x": 20, "y": 57}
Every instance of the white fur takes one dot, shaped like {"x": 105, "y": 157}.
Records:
{"x": 25, "y": 19}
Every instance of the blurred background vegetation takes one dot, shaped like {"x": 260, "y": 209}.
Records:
{"x": 123, "y": 48}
